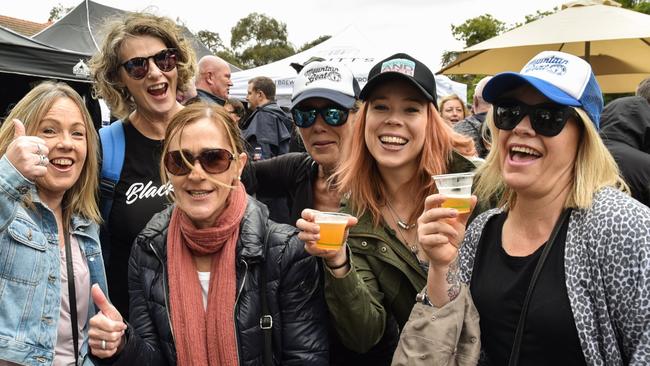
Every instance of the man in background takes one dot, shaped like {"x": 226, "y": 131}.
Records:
{"x": 213, "y": 81}
{"x": 474, "y": 125}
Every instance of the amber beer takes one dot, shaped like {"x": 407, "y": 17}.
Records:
{"x": 457, "y": 189}
{"x": 332, "y": 229}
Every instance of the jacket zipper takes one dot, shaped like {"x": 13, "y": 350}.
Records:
{"x": 234, "y": 314}
{"x": 165, "y": 294}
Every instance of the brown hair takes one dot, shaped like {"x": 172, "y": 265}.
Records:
{"x": 81, "y": 198}
{"x": 193, "y": 113}
{"x": 265, "y": 85}
{"x": 105, "y": 64}
{"x": 358, "y": 173}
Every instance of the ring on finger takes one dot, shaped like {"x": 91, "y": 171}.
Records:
{"x": 42, "y": 160}
{"x": 103, "y": 344}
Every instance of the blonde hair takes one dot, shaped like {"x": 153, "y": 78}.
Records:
{"x": 81, "y": 198}
{"x": 191, "y": 114}
{"x": 450, "y": 97}
{"x": 359, "y": 175}
{"x": 594, "y": 168}
{"x": 105, "y": 64}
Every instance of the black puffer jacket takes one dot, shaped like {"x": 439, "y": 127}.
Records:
{"x": 294, "y": 291}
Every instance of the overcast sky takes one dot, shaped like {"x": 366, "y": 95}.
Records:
{"x": 421, "y": 28}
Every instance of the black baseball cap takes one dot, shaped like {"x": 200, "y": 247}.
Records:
{"x": 401, "y": 65}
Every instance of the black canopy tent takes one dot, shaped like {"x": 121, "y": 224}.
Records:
{"x": 25, "y": 62}
{"x": 80, "y": 30}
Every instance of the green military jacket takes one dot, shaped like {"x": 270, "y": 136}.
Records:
{"x": 384, "y": 277}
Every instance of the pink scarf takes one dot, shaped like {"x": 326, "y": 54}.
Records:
{"x": 205, "y": 337}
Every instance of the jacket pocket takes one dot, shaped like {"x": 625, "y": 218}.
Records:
{"x": 22, "y": 253}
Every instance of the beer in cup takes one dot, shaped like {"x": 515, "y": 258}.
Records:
{"x": 457, "y": 189}
{"x": 332, "y": 229}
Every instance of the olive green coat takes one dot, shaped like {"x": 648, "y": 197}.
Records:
{"x": 385, "y": 278}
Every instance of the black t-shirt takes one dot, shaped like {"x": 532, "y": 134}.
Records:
{"x": 138, "y": 196}
{"x": 499, "y": 285}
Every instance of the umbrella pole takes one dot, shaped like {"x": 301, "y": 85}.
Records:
{"x": 587, "y": 51}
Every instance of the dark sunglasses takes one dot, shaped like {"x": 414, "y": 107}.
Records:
{"x": 138, "y": 67}
{"x": 333, "y": 116}
{"x": 547, "y": 119}
{"x": 213, "y": 161}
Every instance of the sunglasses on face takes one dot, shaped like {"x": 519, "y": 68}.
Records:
{"x": 138, "y": 67}
{"x": 213, "y": 161}
{"x": 333, "y": 116}
{"x": 547, "y": 119}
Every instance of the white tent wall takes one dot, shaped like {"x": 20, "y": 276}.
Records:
{"x": 349, "y": 47}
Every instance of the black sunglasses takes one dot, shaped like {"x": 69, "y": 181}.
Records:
{"x": 547, "y": 119}
{"x": 138, "y": 67}
{"x": 213, "y": 161}
{"x": 333, "y": 116}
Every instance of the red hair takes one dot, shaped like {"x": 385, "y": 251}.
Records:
{"x": 359, "y": 176}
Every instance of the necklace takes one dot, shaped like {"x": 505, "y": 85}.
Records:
{"x": 413, "y": 248}
{"x": 403, "y": 224}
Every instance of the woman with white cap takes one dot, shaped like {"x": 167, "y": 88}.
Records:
{"x": 559, "y": 273}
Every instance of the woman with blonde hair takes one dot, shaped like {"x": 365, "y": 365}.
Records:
{"x": 143, "y": 61}
{"x": 559, "y": 274}
{"x": 452, "y": 109}
{"x": 49, "y": 241}
{"x": 212, "y": 280}
{"x": 399, "y": 141}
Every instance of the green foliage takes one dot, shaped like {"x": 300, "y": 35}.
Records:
{"x": 259, "y": 39}
{"x": 533, "y": 17}
{"x": 313, "y": 43}
{"x": 211, "y": 40}
{"x": 643, "y": 7}
{"x": 478, "y": 29}
{"x": 58, "y": 12}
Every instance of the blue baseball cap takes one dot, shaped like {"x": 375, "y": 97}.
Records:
{"x": 561, "y": 77}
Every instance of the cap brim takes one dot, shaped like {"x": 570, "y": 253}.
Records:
{"x": 509, "y": 81}
{"x": 385, "y": 76}
{"x": 339, "y": 98}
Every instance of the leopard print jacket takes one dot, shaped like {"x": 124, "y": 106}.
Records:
{"x": 607, "y": 265}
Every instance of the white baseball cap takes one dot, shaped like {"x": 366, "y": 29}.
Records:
{"x": 329, "y": 80}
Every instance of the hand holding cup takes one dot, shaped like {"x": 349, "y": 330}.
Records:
{"x": 325, "y": 234}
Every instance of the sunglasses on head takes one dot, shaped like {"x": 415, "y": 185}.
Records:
{"x": 138, "y": 67}
{"x": 333, "y": 116}
{"x": 547, "y": 119}
{"x": 213, "y": 161}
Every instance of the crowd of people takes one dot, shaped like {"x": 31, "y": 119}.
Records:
{"x": 186, "y": 232}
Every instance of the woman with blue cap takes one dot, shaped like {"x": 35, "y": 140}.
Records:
{"x": 559, "y": 273}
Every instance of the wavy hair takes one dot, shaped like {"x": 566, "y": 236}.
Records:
{"x": 449, "y": 97}
{"x": 191, "y": 114}
{"x": 594, "y": 168}
{"x": 105, "y": 64}
{"x": 81, "y": 198}
{"x": 358, "y": 174}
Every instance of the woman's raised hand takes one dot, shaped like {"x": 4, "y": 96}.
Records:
{"x": 28, "y": 154}
{"x": 441, "y": 230}
{"x": 310, "y": 234}
{"x": 106, "y": 328}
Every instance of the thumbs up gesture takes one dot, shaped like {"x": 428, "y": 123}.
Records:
{"x": 106, "y": 328}
{"x": 28, "y": 154}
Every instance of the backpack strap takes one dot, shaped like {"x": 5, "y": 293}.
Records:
{"x": 266, "y": 320}
{"x": 113, "y": 148}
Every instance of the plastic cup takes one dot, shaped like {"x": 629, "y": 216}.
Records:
{"x": 457, "y": 188}
{"x": 332, "y": 229}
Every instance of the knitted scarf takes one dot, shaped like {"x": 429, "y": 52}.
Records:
{"x": 205, "y": 337}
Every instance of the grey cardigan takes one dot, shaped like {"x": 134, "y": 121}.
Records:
{"x": 607, "y": 267}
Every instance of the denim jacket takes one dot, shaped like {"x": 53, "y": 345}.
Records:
{"x": 30, "y": 281}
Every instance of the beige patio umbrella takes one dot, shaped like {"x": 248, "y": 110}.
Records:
{"x": 615, "y": 41}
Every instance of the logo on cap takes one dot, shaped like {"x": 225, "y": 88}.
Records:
{"x": 323, "y": 73}
{"x": 553, "y": 64}
{"x": 403, "y": 66}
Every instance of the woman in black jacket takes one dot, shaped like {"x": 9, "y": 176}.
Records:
{"x": 198, "y": 270}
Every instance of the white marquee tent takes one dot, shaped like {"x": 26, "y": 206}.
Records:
{"x": 350, "y": 47}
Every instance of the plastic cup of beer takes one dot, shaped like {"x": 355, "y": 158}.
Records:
{"x": 332, "y": 229}
{"x": 457, "y": 188}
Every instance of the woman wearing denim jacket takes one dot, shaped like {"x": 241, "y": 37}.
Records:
{"x": 48, "y": 180}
